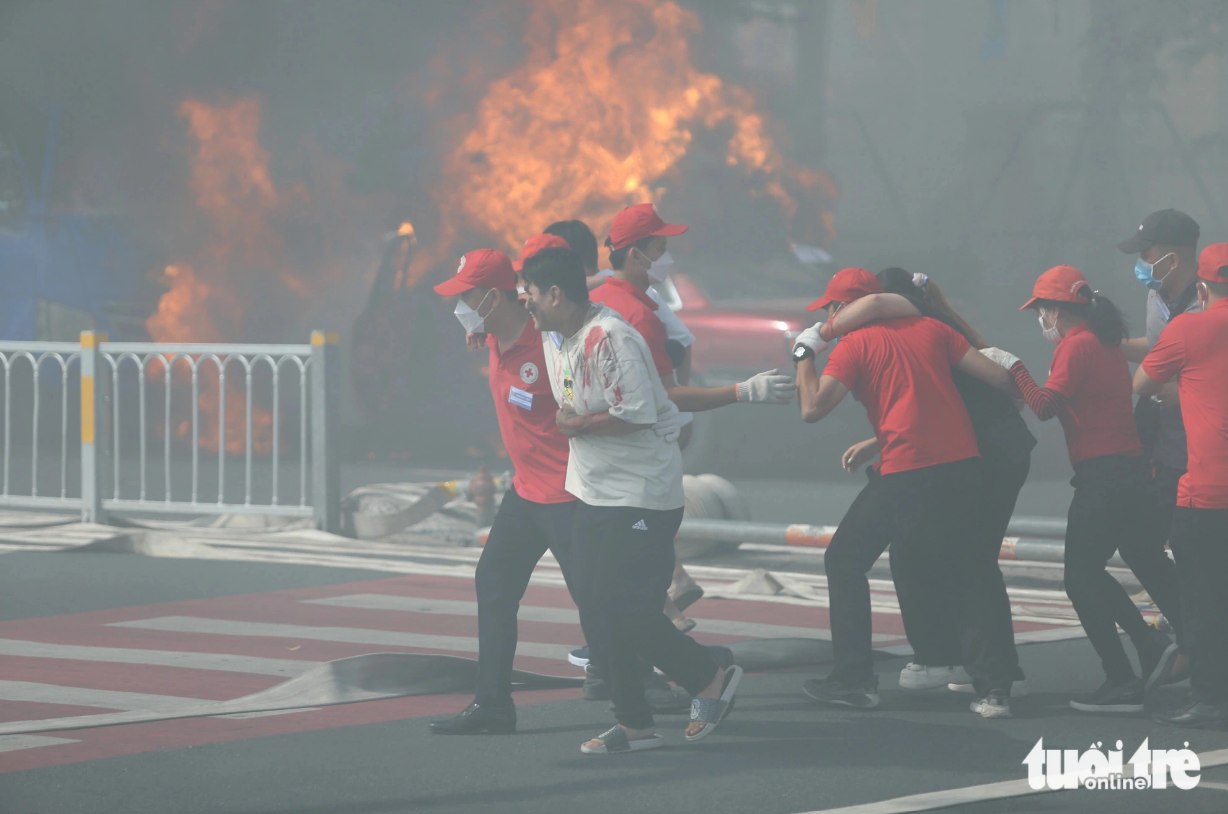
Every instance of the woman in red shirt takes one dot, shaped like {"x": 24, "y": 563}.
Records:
{"x": 1090, "y": 391}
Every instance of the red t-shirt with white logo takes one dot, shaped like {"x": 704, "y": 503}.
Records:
{"x": 639, "y": 309}
{"x": 526, "y": 409}
{"x": 901, "y": 371}
{"x": 1194, "y": 347}
{"x": 1096, "y": 381}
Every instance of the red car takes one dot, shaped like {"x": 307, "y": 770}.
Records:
{"x": 734, "y": 339}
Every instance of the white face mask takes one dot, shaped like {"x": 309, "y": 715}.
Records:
{"x": 660, "y": 268}
{"x": 472, "y": 321}
{"x": 1051, "y": 333}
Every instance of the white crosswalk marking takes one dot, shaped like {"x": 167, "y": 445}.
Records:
{"x": 162, "y": 658}
{"x": 529, "y": 613}
{"x": 11, "y": 743}
{"x": 352, "y": 635}
{"x": 31, "y": 691}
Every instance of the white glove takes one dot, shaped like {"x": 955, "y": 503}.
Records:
{"x": 1000, "y": 357}
{"x": 811, "y": 339}
{"x": 668, "y": 428}
{"x": 768, "y": 387}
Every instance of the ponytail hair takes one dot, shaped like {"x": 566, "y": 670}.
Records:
{"x": 924, "y": 293}
{"x": 1104, "y": 319}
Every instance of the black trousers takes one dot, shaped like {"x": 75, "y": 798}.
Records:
{"x": 1109, "y": 513}
{"x": 1165, "y": 590}
{"x": 1200, "y": 544}
{"x": 521, "y": 533}
{"x": 623, "y": 559}
{"x": 989, "y": 638}
{"x": 922, "y": 515}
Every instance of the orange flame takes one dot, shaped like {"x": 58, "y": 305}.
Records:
{"x": 597, "y": 117}
{"x": 232, "y": 185}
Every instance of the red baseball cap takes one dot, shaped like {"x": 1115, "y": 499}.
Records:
{"x": 1061, "y": 284}
{"x": 1212, "y": 262}
{"x": 847, "y": 285}
{"x": 638, "y": 222}
{"x": 535, "y": 244}
{"x": 480, "y": 268}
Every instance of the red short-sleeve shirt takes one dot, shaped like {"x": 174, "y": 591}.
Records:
{"x": 637, "y": 308}
{"x": 901, "y": 371}
{"x": 526, "y": 409}
{"x": 1194, "y": 346}
{"x": 1096, "y": 381}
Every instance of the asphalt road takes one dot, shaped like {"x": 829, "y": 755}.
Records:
{"x": 776, "y": 753}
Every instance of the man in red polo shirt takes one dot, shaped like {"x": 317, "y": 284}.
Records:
{"x": 637, "y": 242}
{"x": 900, "y": 370}
{"x": 536, "y": 512}
{"x": 1194, "y": 347}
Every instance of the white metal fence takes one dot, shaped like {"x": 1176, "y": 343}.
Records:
{"x": 148, "y": 428}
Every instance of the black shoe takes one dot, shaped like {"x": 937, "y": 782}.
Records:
{"x": 831, "y": 690}
{"x": 595, "y": 688}
{"x": 1126, "y": 697}
{"x": 478, "y": 720}
{"x": 663, "y": 697}
{"x": 1157, "y": 659}
{"x": 1195, "y": 715}
{"x": 579, "y": 656}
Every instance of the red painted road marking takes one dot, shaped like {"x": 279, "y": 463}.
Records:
{"x": 24, "y": 674}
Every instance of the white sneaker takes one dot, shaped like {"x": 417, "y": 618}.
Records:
{"x": 1018, "y": 690}
{"x": 994, "y": 705}
{"x": 921, "y": 677}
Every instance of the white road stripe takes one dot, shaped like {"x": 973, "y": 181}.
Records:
{"x": 163, "y": 658}
{"x": 33, "y": 692}
{"x": 11, "y": 743}
{"x": 532, "y": 613}
{"x": 350, "y": 635}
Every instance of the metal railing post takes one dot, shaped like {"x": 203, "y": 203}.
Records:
{"x": 91, "y": 424}
{"x": 325, "y": 430}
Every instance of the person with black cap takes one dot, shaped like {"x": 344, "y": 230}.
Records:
{"x": 1166, "y": 243}
{"x": 1195, "y": 347}
{"x": 916, "y": 498}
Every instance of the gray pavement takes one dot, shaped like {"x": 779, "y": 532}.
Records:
{"x": 777, "y": 752}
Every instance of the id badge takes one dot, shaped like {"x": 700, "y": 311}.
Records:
{"x": 1162, "y": 307}
{"x": 521, "y": 398}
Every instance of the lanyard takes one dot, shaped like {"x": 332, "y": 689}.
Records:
{"x": 557, "y": 339}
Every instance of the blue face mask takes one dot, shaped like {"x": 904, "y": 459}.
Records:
{"x": 1144, "y": 272}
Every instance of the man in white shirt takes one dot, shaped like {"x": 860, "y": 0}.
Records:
{"x": 628, "y": 480}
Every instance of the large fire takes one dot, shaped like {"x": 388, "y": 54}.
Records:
{"x": 233, "y": 189}
{"x": 600, "y": 113}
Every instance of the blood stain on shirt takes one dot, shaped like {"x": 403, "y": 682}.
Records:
{"x": 591, "y": 341}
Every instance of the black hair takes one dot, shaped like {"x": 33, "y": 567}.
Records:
{"x": 1104, "y": 319}
{"x": 929, "y": 300}
{"x": 560, "y": 267}
{"x": 581, "y": 239}
{"x": 618, "y": 257}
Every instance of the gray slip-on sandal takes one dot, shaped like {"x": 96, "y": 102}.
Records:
{"x": 614, "y": 741}
{"x": 711, "y": 711}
